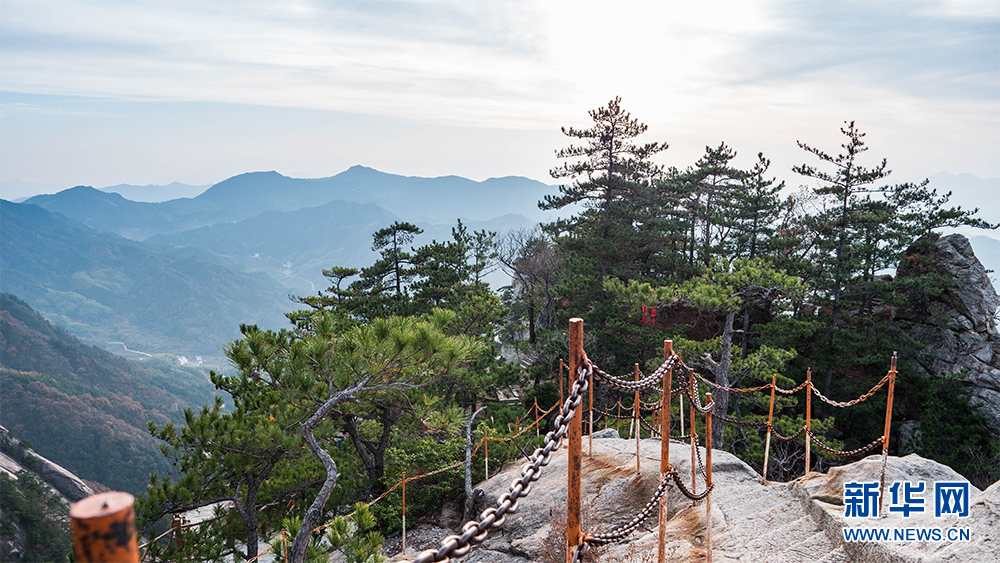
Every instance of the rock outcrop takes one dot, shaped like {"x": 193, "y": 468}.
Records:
{"x": 797, "y": 522}
{"x": 958, "y": 327}
{"x": 13, "y": 456}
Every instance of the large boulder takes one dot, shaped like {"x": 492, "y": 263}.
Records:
{"x": 958, "y": 326}
{"x": 797, "y": 522}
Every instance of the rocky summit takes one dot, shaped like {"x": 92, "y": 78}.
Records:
{"x": 798, "y": 522}
{"x": 957, "y": 326}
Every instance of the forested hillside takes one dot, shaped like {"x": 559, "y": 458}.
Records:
{"x": 85, "y": 408}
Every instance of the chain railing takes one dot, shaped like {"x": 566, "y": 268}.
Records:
{"x": 476, "y": 532}
{"x": 579, "y": 543}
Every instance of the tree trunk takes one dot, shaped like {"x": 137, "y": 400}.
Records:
{"x": 721, "y": 397}
{"x": 312, "y": 516}
{"x": 469, "y": 493}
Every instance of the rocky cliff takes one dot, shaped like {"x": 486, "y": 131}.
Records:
{"x": 957, "y": 326}
{"x": 797, "y": 522}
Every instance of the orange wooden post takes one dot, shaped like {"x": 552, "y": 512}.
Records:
{"x": 537, "y": 417}
{"x": 104, "y": 529}
{"x": 770, "y": 419}
{"x": 668, "y": 351}
{"x": 708, "y": 478}
{"x": 635, "y": 409}
{"x": 618, "y": 420}
{"x": 885, "y": 433}
{"x": 693, "y": 389}
{"x": 573, "y": 535}
{"x": 404, "y": 513}
{"x": 809, "y": 394}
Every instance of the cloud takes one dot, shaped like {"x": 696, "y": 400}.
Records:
{"x": 918, "y": 48}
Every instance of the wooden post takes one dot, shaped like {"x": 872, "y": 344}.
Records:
{"x": 692, "y": 388}
{"x": 590, "y": 447}
{"x": 885, "y": 433}
{"x": 708, "y": 478}
{"x": 809, "y": 394}
{"x": 668, "y": 378}
{"x": 537, "y": 418}
{"x": 573, "y": 535}
{"x": 638, "y": 430}
{"x": 104, "y": 529}
{"x": 486, "y": 450}
{"x": 618, "y": 420}
{"x": 770, "y": 419}
{"x": 404, "y": 513}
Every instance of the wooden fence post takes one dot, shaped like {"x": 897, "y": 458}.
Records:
{"x": 104, "y": 529}
{"x": 638, "y": 429}
{"x": 770, "y": 419}
{"x": 404, "y": 513}
{"x": 708, "y": 478}
{"x": 537, "y": 417}
{"x": 809, "y": 394}
{"x": 661, "y": 547}
{"x": 573, "y": 535}
{"x": 885, "y": 433}
{"x": 692, "y": 390}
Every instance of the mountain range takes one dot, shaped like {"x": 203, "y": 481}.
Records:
{"x": 181, "y": 275}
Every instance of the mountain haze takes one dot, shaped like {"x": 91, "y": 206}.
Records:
{"x": 430, "y": 200}
{"x": 105, "y": 288}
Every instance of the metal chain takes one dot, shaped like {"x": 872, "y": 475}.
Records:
{"x": 855, "y": 401}
{"x": 843, "y": 453}
{"x": 733, "y": 389}
{"x": 703, "y": 409}
{"x": 787, "y": 438}
{"x": 644, "y": 383}
{"x": 686, "y": 492}
{"x": 626, "y": 529}
{"x": 648, "y": 426}
{"x": 790, "y": 391}
{"x": 701, "y": 464}
{"x": 475, "y": 533}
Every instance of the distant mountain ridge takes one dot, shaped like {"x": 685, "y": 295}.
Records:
{"x": 414, "y": 199}
{"x": 152, "y": 193}
{"x": 105, "y": 288}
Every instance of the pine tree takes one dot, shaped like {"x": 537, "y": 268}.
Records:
{"x": 613, "y": 175}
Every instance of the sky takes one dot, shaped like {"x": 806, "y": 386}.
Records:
{"x": 150, "y": 92}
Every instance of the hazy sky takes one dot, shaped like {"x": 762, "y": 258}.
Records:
{"x": 101, "y": 93}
